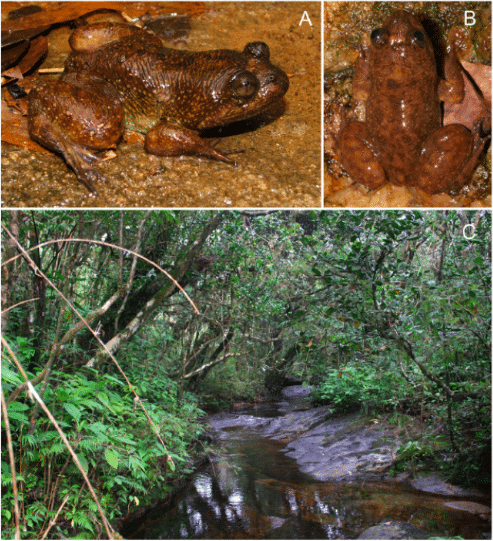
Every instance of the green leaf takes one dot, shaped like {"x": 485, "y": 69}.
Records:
{"x": 17, "y": 406}
{"x": 21, "y": 417}
{"x": 72, "y": 410}
{"x": 83, "y": 462}
{"x": 103, "y": 397}
{"x": 8, "y": 375}
{"x": 112, "y": 457}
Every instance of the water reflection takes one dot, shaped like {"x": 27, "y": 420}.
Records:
{"x": 254, "y": 491}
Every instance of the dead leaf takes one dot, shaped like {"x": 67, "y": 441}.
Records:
{"x": 12, "y": 73}
{"x": 473, "y": 106}
{"x": 14, "y": 130}
{"x": 70, "y": 11}
{"x": 168, "y": 28}
{"x": 11, "y": 54}
{"x": 37, "y": 49}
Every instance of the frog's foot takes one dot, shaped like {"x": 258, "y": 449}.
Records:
{"x": 479, "y": 140}
{"x": 166, "y": 139}
{"x": 78, "y": 158}
{"x": 214, "y": 142}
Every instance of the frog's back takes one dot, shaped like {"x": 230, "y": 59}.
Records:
{"x": 157, "y": 82}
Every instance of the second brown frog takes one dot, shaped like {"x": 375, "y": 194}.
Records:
{"x": 121, "y": 77}
{"x": 402, "y": 140}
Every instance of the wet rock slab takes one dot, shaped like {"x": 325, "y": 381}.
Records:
{"x": 435, "y": 485}
{"x": 393, "y": 529}
{"x": 344, "y": 448}
{"x": 224, "y": 421}
{"x": 471, "y": 507}
{"x": 341, "y": 449}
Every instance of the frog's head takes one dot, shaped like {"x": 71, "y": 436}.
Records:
{"x": 242, "y": 85}
{"x": 402, "y": 40}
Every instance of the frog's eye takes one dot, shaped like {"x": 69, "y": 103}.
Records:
{"x": 244, "y": 85}
{"x": 375, "y": 34}
{"x": 257, "y": 49}
{"x": 418, "y": 38}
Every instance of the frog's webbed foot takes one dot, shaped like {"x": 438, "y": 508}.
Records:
{"x": 79, "y": 158}
{"x": 76, "y": 156}
{"x": 90, "y": 177}
{"x": 167, "y": 139}
{"x": 481, "y": 134}
{"x": 227, "y": 152}
{"x": 214, "y": 142}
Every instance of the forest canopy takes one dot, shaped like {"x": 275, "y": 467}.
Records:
{"x": 387, "y": 312}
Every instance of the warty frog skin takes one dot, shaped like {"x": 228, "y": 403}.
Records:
{"x": 121, "y": 77}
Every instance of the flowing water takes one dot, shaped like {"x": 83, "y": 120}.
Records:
{"x": 254, "y": 491}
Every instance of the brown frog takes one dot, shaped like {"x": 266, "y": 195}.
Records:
{"x": 403, "y": 141}
{"x": 121, "y": 76}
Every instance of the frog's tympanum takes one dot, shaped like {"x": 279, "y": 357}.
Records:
{"x": 121, "y": 77}
{"x": 403, "y": 141}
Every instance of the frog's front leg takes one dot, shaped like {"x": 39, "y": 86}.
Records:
{"x": 357, "y": 158}
{"x": 166, "y": 139}
{"x": 75, "y": 116}
{"x": 448, "y": 158}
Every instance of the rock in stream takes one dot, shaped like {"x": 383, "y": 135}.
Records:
{"x": 327, "y": 447}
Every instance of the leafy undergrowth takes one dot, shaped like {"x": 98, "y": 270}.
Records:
{"x": 449, "y": 440}
{"x": 124, "y": 460}
{"x": 220, "y": 391}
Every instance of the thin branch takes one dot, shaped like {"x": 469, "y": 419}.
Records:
{"x": 12, "y": 468}
{"x": 53, "y": 520}
{"x": 213, "y": 363}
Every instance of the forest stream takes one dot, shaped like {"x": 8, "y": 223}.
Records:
{"x": 254, "y": 490}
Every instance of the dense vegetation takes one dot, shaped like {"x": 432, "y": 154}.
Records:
{"x": 387, "y": 312}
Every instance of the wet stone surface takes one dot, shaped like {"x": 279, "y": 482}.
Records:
{"x": 435, "y": 485}
{"x": 392, "y": 529}
{"x": 319, "y": 444}
{"x": 255, "y": 490}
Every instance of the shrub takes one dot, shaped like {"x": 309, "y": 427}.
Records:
{"x": 356, "y": 386}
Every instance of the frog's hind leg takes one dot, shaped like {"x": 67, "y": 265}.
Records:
{"x": 74, "y": 121}
{"x": 166, "y": 139}
{"x": 449, "y": 157}
{"x": 357, "y": 158}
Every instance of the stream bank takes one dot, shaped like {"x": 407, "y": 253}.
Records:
{"x": 290, "y": 471}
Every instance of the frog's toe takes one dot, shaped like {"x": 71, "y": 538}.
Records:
{"x": 221, "y": 154}
{"x": 233, "y": 151}
{"x": 78, "y": 159}
{"x": 90, "y": 177}
{"x": 481, "y": 133}
{"x": 86, "y": 155}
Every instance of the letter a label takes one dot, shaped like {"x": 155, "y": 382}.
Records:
{"x": 305, "y": 19}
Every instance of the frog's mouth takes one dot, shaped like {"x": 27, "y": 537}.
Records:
{"x": 250, "y": 122}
